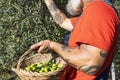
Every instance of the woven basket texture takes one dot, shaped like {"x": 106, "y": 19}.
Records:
{"x": 38, "y": 58}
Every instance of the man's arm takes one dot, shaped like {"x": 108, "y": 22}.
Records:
{"x": 86, "y": 58}
{"x": 60, "y": 18}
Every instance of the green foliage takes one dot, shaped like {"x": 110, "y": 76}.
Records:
{"x": 117, "y": 6}
{"x": 23, "y": 23}
{"x": 117, "y": 56}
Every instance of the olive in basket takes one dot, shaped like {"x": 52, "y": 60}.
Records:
{"x": 43, "y": 67}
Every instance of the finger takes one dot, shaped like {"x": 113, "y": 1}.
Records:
{"x": 36, "y": 46}
{"x": 41, "y": 48}
{"x": 44, "y": 46}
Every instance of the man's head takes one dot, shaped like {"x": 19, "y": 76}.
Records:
{"x": 75, "y": 7}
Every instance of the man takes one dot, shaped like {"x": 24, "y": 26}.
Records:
{"x": 92, "y": 43}
{"x": 105, "y": 74}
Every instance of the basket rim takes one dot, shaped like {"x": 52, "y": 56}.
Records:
{"x": 20, "y": 71}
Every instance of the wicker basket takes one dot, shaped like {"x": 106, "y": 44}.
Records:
{"x": 28, "y": 75}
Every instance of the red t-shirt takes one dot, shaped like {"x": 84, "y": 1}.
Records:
{"x": 97, "y": 26}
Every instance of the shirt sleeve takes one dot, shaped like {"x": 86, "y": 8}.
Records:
{"x": 73, "y": 20}
{"x": 97, "y": 27}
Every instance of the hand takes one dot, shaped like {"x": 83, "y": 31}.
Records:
{"x": 48, "y": 1}
{"x": 41, "y": 46}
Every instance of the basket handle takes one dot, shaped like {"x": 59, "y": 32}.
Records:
{"x": 21, "y": 59}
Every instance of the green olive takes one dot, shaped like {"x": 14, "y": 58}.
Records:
{"x": 39, "y": 65}
{"x": 59, "y": 65}
{"x": 52, "y": 69}
{"x": 33, "y": 68}
{"x": 43, "y": 67}
{"x": 28, "y": 68}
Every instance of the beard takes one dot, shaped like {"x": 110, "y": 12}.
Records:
{"x": 74, "y": 7}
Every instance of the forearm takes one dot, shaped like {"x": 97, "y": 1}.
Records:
{"x": 59, "y": 17}
{"x": 79, "y": 58}
{"x": 69, "y": 54}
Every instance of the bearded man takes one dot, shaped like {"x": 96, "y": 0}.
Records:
{"x": 93, "y": 39}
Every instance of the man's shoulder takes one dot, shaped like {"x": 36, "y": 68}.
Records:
{"x": 99, "y": 5}
{"x": 100, "y": 8}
